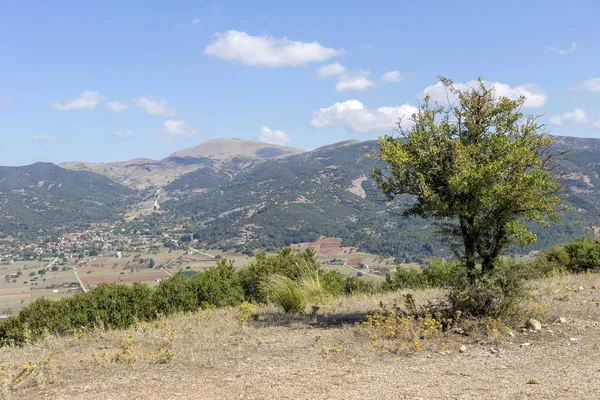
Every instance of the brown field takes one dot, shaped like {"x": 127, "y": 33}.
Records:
{"x": 354, "y": 261}
{"x": 126, "y": 278}
{"x": 291, "y": 357}
{"x": 15, "y": 296}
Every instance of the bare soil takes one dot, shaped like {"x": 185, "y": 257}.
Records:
{"x": 292, "y": 357}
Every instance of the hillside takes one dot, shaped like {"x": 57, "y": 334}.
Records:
{"x": 227, "y": 149}
{"x": 42, "y": 196}
{"x": 328, "y": 192}
{"x": 291, "y": 357}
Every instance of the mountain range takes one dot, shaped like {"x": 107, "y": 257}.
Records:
{"x": 243, "y": 195}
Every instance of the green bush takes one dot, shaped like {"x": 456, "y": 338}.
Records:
{"x": 435, "y": 274}
{"x": 581, "y": 255}
{"x": 497, "y": 295}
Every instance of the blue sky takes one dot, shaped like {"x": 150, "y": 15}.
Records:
{"x": 114, "y": 80}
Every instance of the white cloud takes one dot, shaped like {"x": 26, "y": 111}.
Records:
{"x": 273, "y": 136}
{"x": 591, "y": 85}
{"x": 574, "y": 117}
{"x": 391, "y": 77}
{"x": 354, "y": 82}
{"x": 177, "y": 129}
{"x": 116, "y": 106}
{"x": 44, "y": 138}
{"x": 195, "y": 21}
{"x": 5, "y": 103}
{"x": 123, "y": 134}
{"x": 266, "y": 51}
{"x": 87, "y": 101}
{"x": 596, "y": 124}
{"x": 331, "y": 70}
{"x": 346, "y": 80}
{"x": 562, "y": 52}
{"x": 155, "y": 107}
{"x": 353, "y": 115}
{"x": 535, "y": 96}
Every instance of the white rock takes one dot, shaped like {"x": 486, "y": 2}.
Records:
{"x": 561, "y": 320}
{"x": 463, "y": 349}
{"x": 534, "y": 324}
{"x": 573, "y": 339}
{"x": 525, "y": 344}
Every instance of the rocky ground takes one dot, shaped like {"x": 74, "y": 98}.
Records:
{"x": 210, "y": 355}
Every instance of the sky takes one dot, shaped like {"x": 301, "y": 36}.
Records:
{"x": 110, "y": 80}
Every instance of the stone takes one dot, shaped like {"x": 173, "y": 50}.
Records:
{"x": 463, "y": 349}
{"x": 573, "y": 340}
{"x": 581, "y": 288}
{"x": 534, "y": 325}
{"x": 525, "y": 344}
{"x": 493, "y": 350}
{"x": 561, "y": 320}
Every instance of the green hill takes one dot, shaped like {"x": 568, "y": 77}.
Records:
{"x": 44, "y": 196}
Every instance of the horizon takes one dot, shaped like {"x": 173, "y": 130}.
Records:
{"x": 154, "y": 80}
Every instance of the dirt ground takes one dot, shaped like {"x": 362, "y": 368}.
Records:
{"x": 212, "y": 356}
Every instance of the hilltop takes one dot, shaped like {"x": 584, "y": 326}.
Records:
{"x": 212, "y": 155}
{"x": 209, "y": 353}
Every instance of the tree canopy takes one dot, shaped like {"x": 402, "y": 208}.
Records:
{"x": 478, "y": 166}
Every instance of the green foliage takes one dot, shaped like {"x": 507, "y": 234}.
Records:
{"x": 479, "y": 167}
{"x": 498, "y": 294}
{"x": 581, "y": 255}
{"x": 435, "y": 274}
{"x": 116, "y": 306}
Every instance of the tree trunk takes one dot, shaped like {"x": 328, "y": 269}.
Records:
{"x": 487, "y": 265}
{"x": 469, "y": 243}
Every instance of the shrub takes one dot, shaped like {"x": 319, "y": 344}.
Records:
{"x": 498, "y": 294}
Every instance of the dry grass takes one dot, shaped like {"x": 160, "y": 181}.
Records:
{"x": 235, "y": 353}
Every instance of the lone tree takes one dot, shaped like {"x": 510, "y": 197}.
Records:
{"x": 478, "y": 166}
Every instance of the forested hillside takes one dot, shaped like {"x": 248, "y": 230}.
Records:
{"x": 328, "y": 192}
{"x": 44, "y": 196}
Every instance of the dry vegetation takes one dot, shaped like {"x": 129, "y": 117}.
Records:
{"x": 262, "y": 353}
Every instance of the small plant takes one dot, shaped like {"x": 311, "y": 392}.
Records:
{"x": 533, "y": 381}
{"x": 161, "y": 356}
{"x": 246, "y": 311}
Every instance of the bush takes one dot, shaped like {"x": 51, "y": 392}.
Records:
{"x": 436, "y": 274}
{"x": 496, "y": 295}
{"x": 581, "y": 255}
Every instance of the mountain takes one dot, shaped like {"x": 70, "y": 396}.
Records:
{"x": 217, "y": 157}
{"x": 228, "y": 149}
{"x": 328, "y": 192}
{"x": 43, "y": 196}
{"x": 243, "y": 195}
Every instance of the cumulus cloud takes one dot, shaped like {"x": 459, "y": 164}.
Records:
{"x": 123, "y": 134}
{"x": 177, "y": 129}
{"x": 86, "y": 101}
{"x": 576, "y": 116}
{"x": 155, "y": 107}
{"x": 392, "y": 77}
{"x": 535, "y": 96}
{"x": 354, "y": 82}
{"x": 331, "y": 70}
{"x": 591, "y": 85}
{"x": 353, "y": 115}
{"x": 116, "y": 106}
{"x": 562, "y": 52}
{"x": 266, "y": 51}
{"x": 273, "y": 136}
{"x": 345, "y": 80}
{"x": 596, "y": 124}
{"x": 44, "y": 138}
